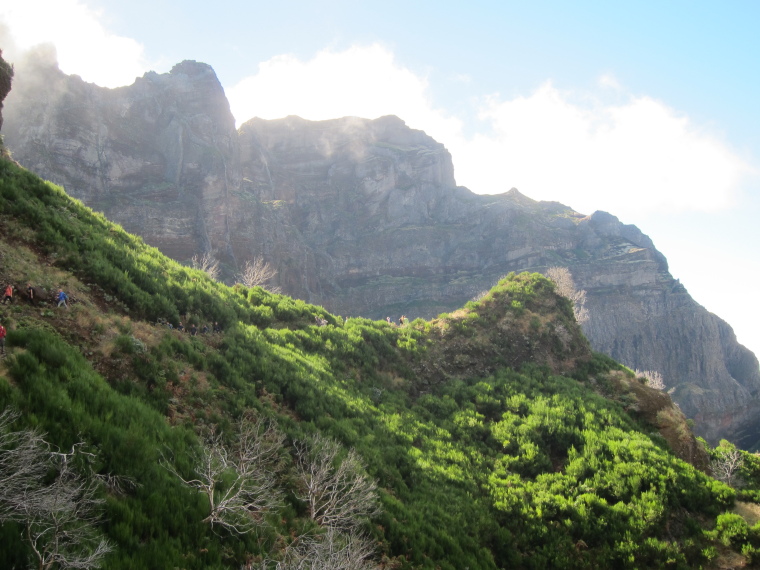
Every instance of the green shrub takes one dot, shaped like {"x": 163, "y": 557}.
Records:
{"x": 731, "y": 529}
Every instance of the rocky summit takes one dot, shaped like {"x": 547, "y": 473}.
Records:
{"x": 365, "y": 218}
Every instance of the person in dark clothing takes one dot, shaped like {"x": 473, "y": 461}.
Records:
{"x": 204, "y": 330}
{"x": 180, "y": 328}
{"x": 30, "y": 293}
{"x": 2, "y": 340}
{"x": 217, "y": 327}
{"x": 193, "y": 329}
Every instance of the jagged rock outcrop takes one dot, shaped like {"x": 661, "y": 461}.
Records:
{"x": 6, "y": 78}
{"x": 159, "y": 157}
{"x": 365, "y": 218}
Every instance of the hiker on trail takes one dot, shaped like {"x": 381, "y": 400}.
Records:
{"x": 217, "y": 328}
{"x": 388, "y": 319}
{"x": 180, "y": 328}
{"x": 30, "y": 293}
{"x": 62, "y": 298}
{"x": 193, "y": 329}
{"x": 2, "y": 340}
{"x": 8, "y": 294}
{"x": 204, "y": 330}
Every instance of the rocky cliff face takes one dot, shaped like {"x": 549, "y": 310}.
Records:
{"x": 6, "y": 77}
{"x": 365, "y": 218}
{"x": 159, "y": 157}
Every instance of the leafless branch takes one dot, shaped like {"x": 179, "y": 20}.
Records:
{"x": 24, "y": 463}
{"x": 563, "y": 280}
{"x": 59, "y": 518}
{"x": 331, "y": 550}
{"x": 207, "y": 263}
{"x": 726, "y": 463}
{"x": 258, "y": 273}
{"x": 239, "y": 479}
{"x": 480, "y": 295}
{"x": 60, "y": 522}
{"x": 117, "y": 484}
{"x": 339, "y": 492}
{"x": 653, "y": 377}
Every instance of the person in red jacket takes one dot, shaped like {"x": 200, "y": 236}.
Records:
{"x": 2, "y": 340}
{"x": 8, "y": 294}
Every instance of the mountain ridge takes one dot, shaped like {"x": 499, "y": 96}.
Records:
{"x": 364, "y": 217}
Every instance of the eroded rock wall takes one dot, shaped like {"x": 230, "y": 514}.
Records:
{"x": 159, "y": 157}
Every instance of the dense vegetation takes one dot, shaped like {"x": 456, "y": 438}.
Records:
{"x": 486, "y": 431}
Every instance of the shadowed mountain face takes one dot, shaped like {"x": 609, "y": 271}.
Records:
{"x": 365, "y": 218}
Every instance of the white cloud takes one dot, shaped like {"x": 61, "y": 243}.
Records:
{"x": 461, "y": 78}
{"x": 609, "y": 81}
{"x": 361, "y": 81}
{"x": 84, "y": 46}
{"x": 634, "y": 157}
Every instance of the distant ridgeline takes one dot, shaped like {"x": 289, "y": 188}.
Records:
{"x": 364, "y": 218}
{"x": 490, "y": 437}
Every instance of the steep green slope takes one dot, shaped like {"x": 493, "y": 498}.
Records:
{"x": 486, "y": 430}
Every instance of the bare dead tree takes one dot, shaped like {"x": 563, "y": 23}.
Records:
{"x": 653, "y": 378}
{"x": 59, "y": 518}
{"x": 24, "y": 457}
{"x": 726, "y": 463}
{"x": 60, "y": 522}
{"x": 480, "y": 295}
{"x": 207, "y": 263}
{"x": 258, "y": 273}
{"x": 117, "y": 484}
{"x": 565, "y": 284}
{"x": 238, "y": 479}
{"x": 338, "y": 491}
{"x": 332, "y": 550}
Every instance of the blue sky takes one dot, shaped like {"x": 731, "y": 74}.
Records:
{"x": 647, "y": 110}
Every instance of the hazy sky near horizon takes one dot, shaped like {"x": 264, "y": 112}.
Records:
{"x": 647, "y": 110}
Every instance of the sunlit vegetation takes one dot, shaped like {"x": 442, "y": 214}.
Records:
{"x": 478, "y": 440}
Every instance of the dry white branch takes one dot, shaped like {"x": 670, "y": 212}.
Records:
{"x": 653, "y": 377}
{"x": 59, "y": 518}
{"x": 24, "y": 462}
{"x": 117, "y": 484}
{"x": 726, "y": 463}
{"x": 238, "y": 479}
{"x": 332, "y": 550}
{"x": 258, "y": 273}
{"x": 339, "y": 492}
{"x": 206, "y": 263}
{"x": 480, "y": 295}
{"x": 565, "y": 284}
{"x": 60, "y": 523}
